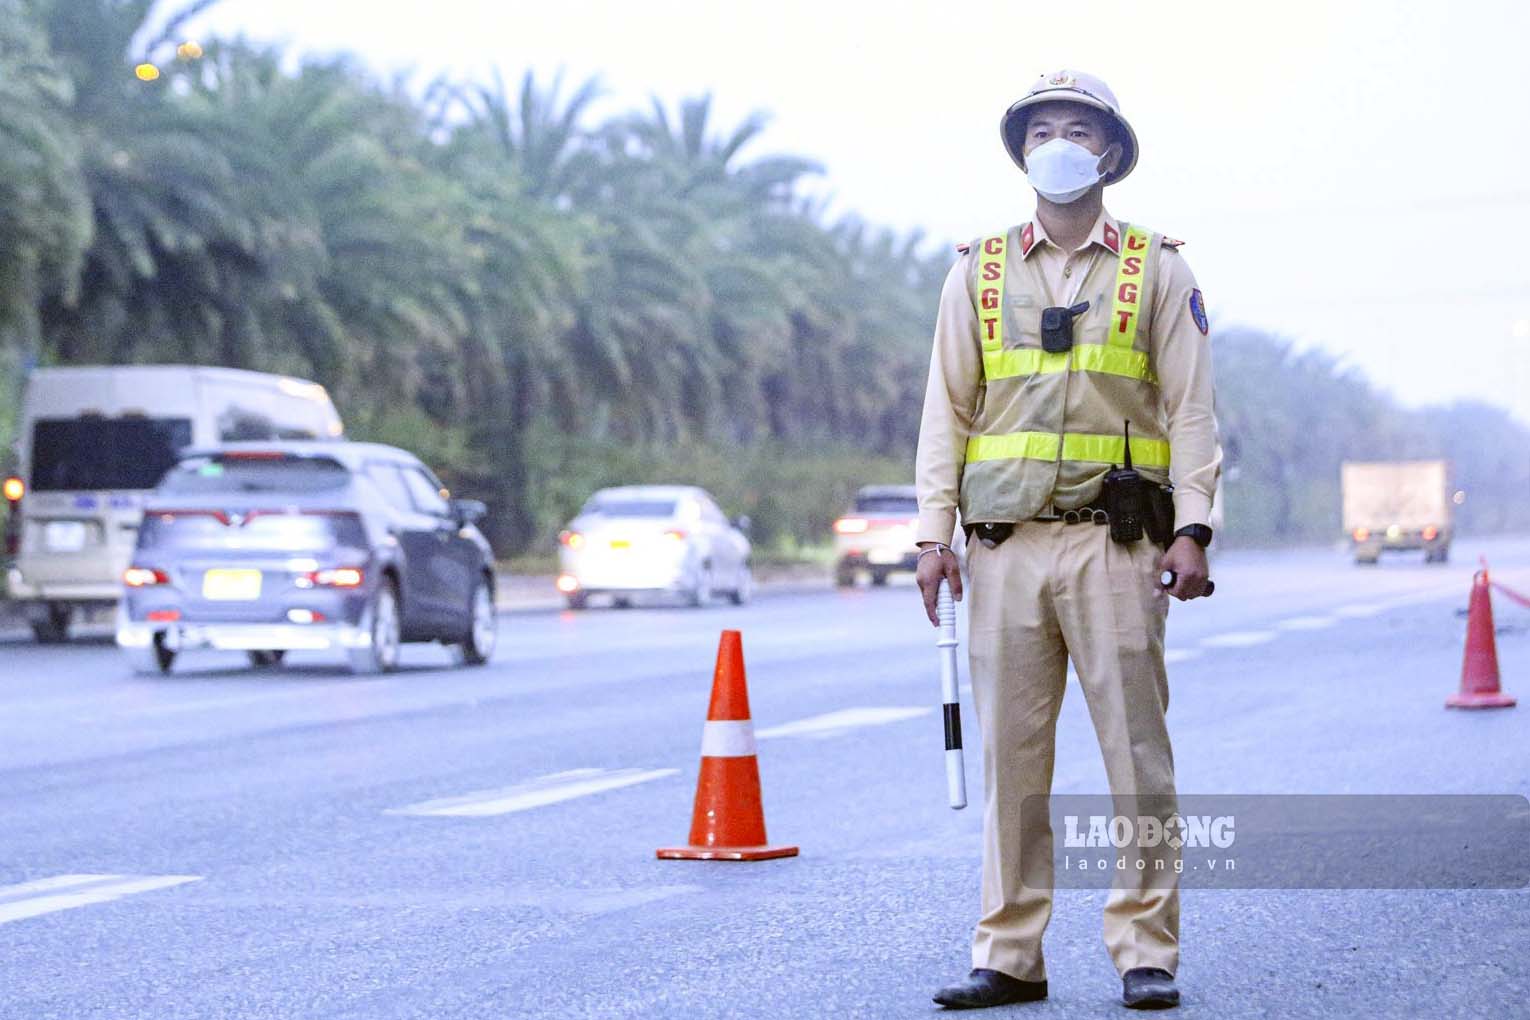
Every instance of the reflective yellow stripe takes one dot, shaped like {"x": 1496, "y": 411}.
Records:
{"x": 1030, "y": 445}
{"x": 1153, "y": 453}
{"x": 1131, "y": 272}
{"x": 1084, "y": 358}
{"x": 990, "y": 286}
{"x": 1022, "y": 361}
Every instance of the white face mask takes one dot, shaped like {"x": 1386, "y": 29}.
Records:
{"x": 1062, "y": 171}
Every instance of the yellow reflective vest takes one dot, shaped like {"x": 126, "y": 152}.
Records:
{"x": 1049, "y": 426}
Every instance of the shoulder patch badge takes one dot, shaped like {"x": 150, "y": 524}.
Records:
{"x": 963, "y": 248}
{"x": 1172, "y": 243}
{"x": 1198, "y": 311}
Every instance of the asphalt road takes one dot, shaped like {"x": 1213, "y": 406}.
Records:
{"x": 222, "y": 843}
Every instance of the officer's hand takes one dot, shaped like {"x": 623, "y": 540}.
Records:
{"x": 931, "y": 570}
{"x": 1188, "y": 561}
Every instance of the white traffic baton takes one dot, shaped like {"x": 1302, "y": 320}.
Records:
{"x": 956, "y": 774}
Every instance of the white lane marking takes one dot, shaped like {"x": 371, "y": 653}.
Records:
{"x": 727, "y": 738}
{"x": 553, "y": 789}
{"x": 1180, "y": 654}
{"x": 1238, "y": 639}
{"x": 1360, "y": 610}
{"x": 1306, "y": 623}
{"x": 66, "y": 892}
{"x": 834, "y": 723}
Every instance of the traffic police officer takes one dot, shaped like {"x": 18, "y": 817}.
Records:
{"x": 1051, "y": 337}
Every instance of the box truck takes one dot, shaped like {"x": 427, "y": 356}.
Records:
{"x": 1397, "y": 505}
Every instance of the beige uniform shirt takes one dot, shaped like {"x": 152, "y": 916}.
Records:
{"x": 1180, "y": 353}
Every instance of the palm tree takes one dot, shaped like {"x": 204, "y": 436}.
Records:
{"x": 45, "y": 214}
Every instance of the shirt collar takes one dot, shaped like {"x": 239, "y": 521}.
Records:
{"x": 1106, "y": 233}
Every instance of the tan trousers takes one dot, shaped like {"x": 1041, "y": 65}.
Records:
{"x": 1052, "y": 591}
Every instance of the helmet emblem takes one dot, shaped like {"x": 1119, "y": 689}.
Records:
{"x": 1061, "y": 78}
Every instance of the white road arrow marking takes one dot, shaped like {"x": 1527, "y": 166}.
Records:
{"x": 64, "y": 892}
{"x": 553, "y": 789}
{"x": 1307, "y": 623}
{"x": 834, "y": 723}
{"x": 1239, "y": 639}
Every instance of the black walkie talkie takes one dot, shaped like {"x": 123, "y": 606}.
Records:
{"x": 1124, "y": 498}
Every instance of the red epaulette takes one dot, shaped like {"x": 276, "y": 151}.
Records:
{"x": 1172, "y": 243}
{"x": 963, "y": 248}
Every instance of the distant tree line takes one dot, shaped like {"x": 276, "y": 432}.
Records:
{"x": 536, "y": 303}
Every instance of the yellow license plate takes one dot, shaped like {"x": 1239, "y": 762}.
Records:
{"x": 620, "y": 543}
{"x": 231, "y": 585}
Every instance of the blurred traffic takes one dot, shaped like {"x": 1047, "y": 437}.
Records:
{"x": 643, "y": 540}
{"x": 273, "y": 547}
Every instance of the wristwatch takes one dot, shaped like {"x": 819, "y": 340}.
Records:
{"x": 1200, "y": 534}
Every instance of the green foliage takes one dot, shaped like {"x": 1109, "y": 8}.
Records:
{"x": 1289, "y": 419}
{"x": 790, "y": 494}
{"x": 539, "y": 305}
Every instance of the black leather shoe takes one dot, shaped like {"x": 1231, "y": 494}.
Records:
{"x": 1149, "y": 988}
{"x": 985, "y": 987}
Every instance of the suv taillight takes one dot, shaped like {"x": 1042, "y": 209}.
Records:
{"x": 144, "y": 577}
{"x": 333, "y": 577}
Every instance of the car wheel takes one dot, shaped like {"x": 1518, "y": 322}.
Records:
{"x": 621, "y": 602}
{"x": 477, "y": 645}
{"x": 844, "y": 577}
{"x": 701, "y": 594}
{"x": 267, "y": 659}
{"x": 153, "y": 659}
{"x": 745, "y": 589}
{"x": 578, "y": 600}
{"x": 381, "y": 653}
{"x": 879, "y": 578}
{"x": 53, "y": 628}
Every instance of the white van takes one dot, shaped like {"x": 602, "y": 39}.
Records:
{"x": 92, "y": 441}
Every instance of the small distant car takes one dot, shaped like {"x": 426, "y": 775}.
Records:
{"x": 652, "y": 540}
{"x": 267, "y": 548}
{"x": 876, "y": 535}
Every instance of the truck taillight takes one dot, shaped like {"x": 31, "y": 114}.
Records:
{"x": 1431, "y": 533}
{"x": 851, "y": 525}
{"x": 144, "y": 577}
{"x": 1361, "y": 534}
{"x": 572, "y": 539}
{"x": 13, "y": 489}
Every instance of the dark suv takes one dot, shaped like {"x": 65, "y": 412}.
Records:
{"x": 271, "y": 547}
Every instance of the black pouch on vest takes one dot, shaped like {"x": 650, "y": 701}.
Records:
{"x": 1160, "y": 514}
{"x": 1057, "y": 327}
{"x": 990, "y": 533}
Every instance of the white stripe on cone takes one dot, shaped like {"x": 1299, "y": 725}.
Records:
{"x": 731, "y": 739}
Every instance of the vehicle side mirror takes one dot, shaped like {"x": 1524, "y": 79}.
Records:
{"x": 743, "y": 523}
{"x": 469, "y": 511}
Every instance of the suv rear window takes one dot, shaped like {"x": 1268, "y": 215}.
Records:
{"x": 905, "y": 505}
{"x": 105, "y": 453}
{"x": 277, "y": 532}
{"x": 631, "y": 507}
{"x": 254, "y": 473}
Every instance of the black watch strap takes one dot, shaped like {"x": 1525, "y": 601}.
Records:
{"x": 1198, "y": 533}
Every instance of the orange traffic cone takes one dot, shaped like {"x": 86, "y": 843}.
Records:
{"x": 728, "y": 823}
{"x": 1479, "y": 671}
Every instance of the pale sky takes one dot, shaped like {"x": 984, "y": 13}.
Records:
{"x": 1352, "y": 176}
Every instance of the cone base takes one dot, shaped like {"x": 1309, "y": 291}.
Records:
{"x": 1486, "y": 699}
{"x": 725, "y": 853}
